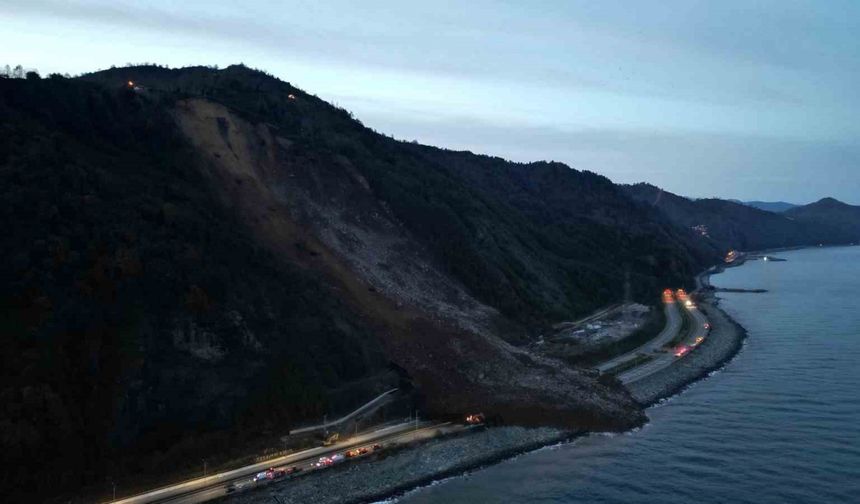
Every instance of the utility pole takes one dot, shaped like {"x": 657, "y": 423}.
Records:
{"x": 325, "y": 423}
{"x": 204, "y": 468}
{"x": 627, "y": 296}
{"x": 113, "y": 484}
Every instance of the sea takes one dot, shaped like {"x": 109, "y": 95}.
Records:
{"x": 780, "y": 423}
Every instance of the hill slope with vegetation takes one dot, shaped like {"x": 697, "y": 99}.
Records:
{"x": 729, "y": 225}
{"x": 205, "y": 256}
{"x": 140, "y": 322}
{"x": 830, "y": 214}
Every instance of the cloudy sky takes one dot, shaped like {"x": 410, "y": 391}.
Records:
{"x": 740, "y": 99}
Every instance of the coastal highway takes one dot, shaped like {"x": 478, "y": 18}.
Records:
{"x": 215, "y": 485}
{"x": 697, "y": 330}
{"x": 670, "y": 330}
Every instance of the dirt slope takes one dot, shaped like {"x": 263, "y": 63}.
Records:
{"x": 318, "y": 211}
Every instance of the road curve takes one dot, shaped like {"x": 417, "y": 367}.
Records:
{"x": 697, "y": 330}
{"x": 670, "y": 330}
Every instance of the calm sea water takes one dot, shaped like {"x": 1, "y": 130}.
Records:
{"x": 780, "y": 424}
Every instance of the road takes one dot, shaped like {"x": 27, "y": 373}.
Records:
{"x": 213, "y": 486}
{"x": 596, "y": 315}
{"x": 384, "y": 397}
{"x": 673, "y": 325}
{"x": 210, "y": 487}
{"x": 664, "y": 359}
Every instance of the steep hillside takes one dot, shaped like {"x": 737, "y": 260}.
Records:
{"x": 513, "y": 243}
{"x": 142, "y": 324}
{"x": 208, "y": 256}
{"x": 831, "y": 214}
{"x": 730, "y": 225}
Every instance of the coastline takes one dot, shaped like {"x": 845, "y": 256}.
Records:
{"x": 405, "y": 470}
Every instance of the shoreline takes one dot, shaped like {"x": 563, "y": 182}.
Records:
{"x": 401, "y": 472}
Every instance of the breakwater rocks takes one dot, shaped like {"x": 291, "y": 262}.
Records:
{"x": 406, "y": 469}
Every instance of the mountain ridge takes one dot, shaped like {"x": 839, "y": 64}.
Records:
{"x": 728, "y": 225}
{"x": 771, "y": 206}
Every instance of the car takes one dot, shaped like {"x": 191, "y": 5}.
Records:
{"x": 376, "y": 447}
{"x": 231, "y": 488}
{"x": 681, "y": 350}
{"x": 356, "y": 452}
{"x": 475, "y": 419}
{"x": 324, "y": 462}
{"x": 294, "y": 469}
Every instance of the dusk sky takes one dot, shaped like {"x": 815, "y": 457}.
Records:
{"x": 746, "y": 99}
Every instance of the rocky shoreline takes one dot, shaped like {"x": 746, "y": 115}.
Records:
{"x": 407, "y": 469}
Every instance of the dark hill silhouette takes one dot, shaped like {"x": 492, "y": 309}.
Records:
{"x": 831, "y": 214}
{"x": 732, "y": 225}
{"x": 771, "y": 206}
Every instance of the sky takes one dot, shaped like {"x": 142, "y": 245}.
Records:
{"x": 755, "y": 100}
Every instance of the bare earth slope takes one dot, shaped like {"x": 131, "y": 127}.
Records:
{"x": 320, "y": 212}
{"x": 207, "y": 258}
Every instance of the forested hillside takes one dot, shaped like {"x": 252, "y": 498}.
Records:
{"x": 135, "y": 310}
{"x": 832, "y": 215}
{"x": 729, "y": 225}
{"x": 195, "y": 257}
{"x": 538, "y": 241}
